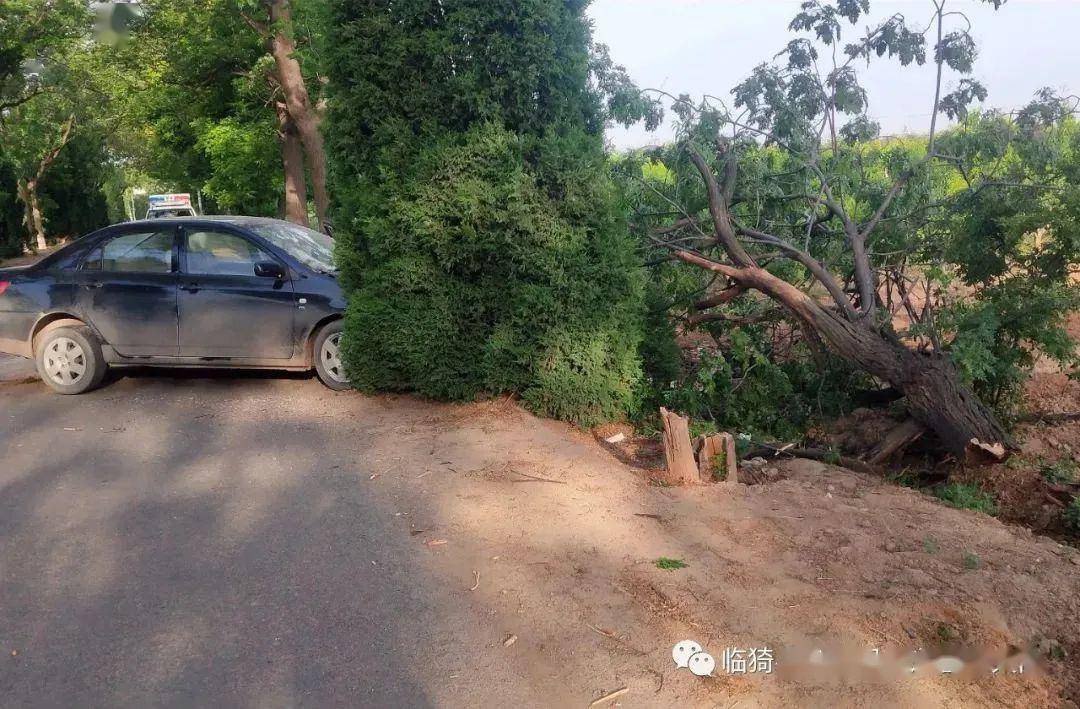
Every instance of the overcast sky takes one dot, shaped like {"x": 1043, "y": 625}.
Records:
{"x": 708, "y": 46}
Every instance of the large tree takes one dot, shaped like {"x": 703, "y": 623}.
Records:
{"x": 479, "y": 233}
{"x": 43, "y": 48}
{"x": 786, "y": 180}
{"x": 220, "y": 103}
{"x": 299, "y": 113}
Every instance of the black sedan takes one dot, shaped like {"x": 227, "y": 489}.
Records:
{"x": 203, "y": 292}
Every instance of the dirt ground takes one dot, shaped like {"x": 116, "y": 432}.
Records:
{"x": 551, "y": 544}
{"x": 820, "y": 556}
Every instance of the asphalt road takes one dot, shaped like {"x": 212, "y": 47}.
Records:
{"x": 189, "y": 540}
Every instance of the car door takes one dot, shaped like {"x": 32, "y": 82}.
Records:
{"x": 127, "y": 287}
{"x": 226, "y": 310}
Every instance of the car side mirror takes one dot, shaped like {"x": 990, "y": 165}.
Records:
{"x": 269, "y": 269}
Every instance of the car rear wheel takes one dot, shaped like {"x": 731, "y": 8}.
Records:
{"x": 328, "y": 362}
{"x": 69, "y": 359}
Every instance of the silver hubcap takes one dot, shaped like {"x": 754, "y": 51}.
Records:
{"x": 65, "y": 361}
{"x": 331, "y": 358}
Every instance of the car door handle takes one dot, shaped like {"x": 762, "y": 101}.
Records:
{"x": 93, "y": 285}
{"x": 190, "y": 288}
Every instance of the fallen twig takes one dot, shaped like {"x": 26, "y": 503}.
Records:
{"x": 818, "y": 454}
{"x": 609, "y": 696}
{"x": 605, "y": 633}
{"x": 477, "y": 584}
{"x": 533, "y": 478}
{"x": 616, "y": 638}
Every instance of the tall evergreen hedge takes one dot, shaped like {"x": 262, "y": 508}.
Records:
{"x": 479, "y": 234}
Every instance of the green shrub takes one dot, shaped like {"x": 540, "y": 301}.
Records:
{"x": 476, "y": 284}
{"x": 1061, "y": 471}
{"x": 747, "y": 387}
{"x": 479, "y": 233}
{"x": 967, "y": 497}
{"x": 1072, "y": 516}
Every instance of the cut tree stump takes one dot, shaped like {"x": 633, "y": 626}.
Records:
{"x": 678, "y": 450}
{"x": 716, "y": 454}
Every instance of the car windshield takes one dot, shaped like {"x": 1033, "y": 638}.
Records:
{"x": 305, "y": 245}
{"x": 169, "y": 213}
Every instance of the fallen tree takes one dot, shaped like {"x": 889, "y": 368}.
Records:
{"x": 860, "y": 229}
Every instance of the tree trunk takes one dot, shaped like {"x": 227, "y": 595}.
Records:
{"x": 936, "y": 395}
{"x": 292, "y": 159}
{"x": 678, "y": 450}
{"x": 28, "y": 189}
{"x": 35, "y": 223}
{"x": 304, "y": 115}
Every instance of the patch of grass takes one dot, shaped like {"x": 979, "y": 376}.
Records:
{"x": 964, "y": 496}
{"x": 1020, "y": 461}
{"x": 719, "y": 467}
{"x": 972, "y": 562}
{"x": 1072, "y": 516}
{"x": 930, "y": 545}
{"x": 905, "y": 478}
{"x": 668, "y": 564}
{"x": 1062, "y": 471}
{"x": 945, "y": 633}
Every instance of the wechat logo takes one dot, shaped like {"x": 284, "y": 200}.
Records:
{"x": 689, "y": 654}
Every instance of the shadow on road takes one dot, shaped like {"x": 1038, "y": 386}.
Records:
{"x": 164, "y": 550}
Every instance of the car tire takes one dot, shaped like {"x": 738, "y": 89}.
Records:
{"x": 327, "y": 353}
{"x": 69, "y": 359}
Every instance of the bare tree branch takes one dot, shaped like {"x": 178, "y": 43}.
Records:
{"x": 718, "y": 208}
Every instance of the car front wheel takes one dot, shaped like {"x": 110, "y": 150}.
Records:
{"x": 328, "y": 362}
{"x": 69, "y": 359}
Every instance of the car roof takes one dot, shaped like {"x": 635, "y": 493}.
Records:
{"x": 227, "y": 218}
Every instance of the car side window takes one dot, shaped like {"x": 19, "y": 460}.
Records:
{"x": 138, "y": 252}
{"x": 216, "y": 253}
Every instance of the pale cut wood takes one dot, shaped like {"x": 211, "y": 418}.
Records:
{"x": 678, "y": 450}
{"x": 731, "y": 459}
{"x": 705, "y": 449}
{"x": 980, "y": 453}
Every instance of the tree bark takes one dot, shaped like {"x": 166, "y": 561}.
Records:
{"x": 304, "y": 114}
{"x": 725, "y": 296}
{"x": 35, "y": 224}
{"x": 292, "y": 160}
